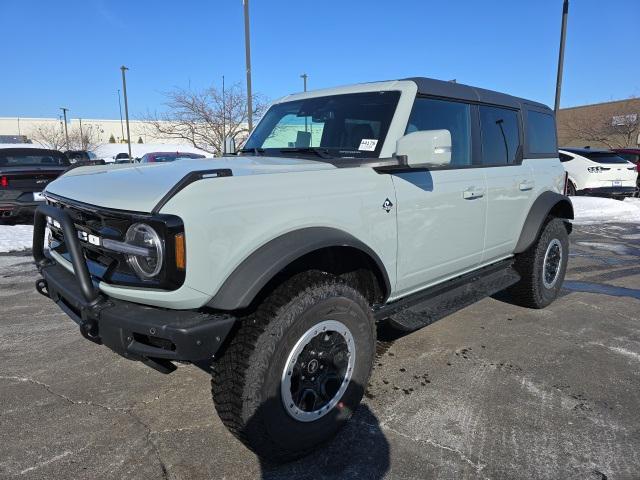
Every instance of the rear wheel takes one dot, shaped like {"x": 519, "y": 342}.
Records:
{"x": 542, "y": 267}
{"x": 296, "y": 370}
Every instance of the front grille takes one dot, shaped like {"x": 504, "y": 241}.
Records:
{"x": 112, "y": 267}
{"x": 103, "y": 264}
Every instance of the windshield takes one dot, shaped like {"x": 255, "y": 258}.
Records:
{"x": 632, "y": 157}
{"x": 30, "y": 157}
{"x": 603, "y": 157}
{"x": 349, "y": 125}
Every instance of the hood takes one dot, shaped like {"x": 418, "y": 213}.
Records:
{"x": 139, "y": 187}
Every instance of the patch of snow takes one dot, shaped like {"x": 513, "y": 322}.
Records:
{"x": 611, "y": 247}
{"x": 591, "y": 210}
{"x": 14, "y": 238}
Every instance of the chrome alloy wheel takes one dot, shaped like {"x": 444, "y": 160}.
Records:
{"x": 552, "y": 263}
{"x": 318, "y": 371}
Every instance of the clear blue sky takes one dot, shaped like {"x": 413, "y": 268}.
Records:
{"x": 68, "y": 53}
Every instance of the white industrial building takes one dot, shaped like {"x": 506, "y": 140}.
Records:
{"x": 104, "y": 129}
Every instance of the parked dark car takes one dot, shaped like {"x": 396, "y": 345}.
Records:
{"x": 24, "y": 173}
{"x": 159, "y": 157}
{"x": 83, "y": 158}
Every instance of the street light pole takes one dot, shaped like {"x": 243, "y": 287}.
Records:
{"x": 126, "y": 107}
{"x": 224, "y": 126}
{"x": 563, "y": 37}
{"x": 304, "y": 77}
{"x": 82, "y": 145}
{"x": 121, "y": 124}
{"x": 247, "y": 50}
{"x": 66, "y": 132}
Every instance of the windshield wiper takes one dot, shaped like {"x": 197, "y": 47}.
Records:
{"x": 321, "y": 152}
{"x": 256, "y": 151}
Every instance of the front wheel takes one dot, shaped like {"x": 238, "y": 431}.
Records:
{"x": 296, "y": 370}
{"x": 542, "y": 267}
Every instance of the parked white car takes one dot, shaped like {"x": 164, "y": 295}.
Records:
{"x": 598, "y": 172}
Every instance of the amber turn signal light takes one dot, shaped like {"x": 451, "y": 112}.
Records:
{"x": 181, "y": 255}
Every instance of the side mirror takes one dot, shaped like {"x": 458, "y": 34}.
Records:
{"x": 229, "y": 146}
{"x": 425, "y": 148}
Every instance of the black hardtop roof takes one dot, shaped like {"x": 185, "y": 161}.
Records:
{"x": 441, "y": 88}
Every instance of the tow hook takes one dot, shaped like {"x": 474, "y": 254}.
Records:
{"x": 42, "y": 287}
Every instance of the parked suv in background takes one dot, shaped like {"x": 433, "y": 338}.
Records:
{"x": 598, "y": 172}
{"x": 397, "y": 201}
{"x": 631, "y": 155}
{"x": 24, "y": 173}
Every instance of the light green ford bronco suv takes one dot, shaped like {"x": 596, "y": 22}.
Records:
{"x": 399, "y": 201}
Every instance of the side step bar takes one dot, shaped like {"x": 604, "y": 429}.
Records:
{"x": 427, "y": 306}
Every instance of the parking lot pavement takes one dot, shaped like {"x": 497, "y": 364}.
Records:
{"x": 493, "y": 391}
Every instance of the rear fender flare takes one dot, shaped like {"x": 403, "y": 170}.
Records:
{"x": 543, "y": 206}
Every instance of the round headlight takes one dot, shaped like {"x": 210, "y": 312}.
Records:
{"x": 148, "y": 265}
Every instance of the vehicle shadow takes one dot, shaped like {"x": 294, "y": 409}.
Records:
{"x": 359, "y": 451}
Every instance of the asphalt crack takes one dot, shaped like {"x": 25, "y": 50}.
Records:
{"x": 125, "y": 411}
{"x": 478, "y": 466}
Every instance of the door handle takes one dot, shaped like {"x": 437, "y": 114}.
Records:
{"x": 473, "y": 192}
{"x": 526, "y": 185}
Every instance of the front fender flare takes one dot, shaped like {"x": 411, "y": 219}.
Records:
{"x": 548, "y": 202}
{"x": 246, "y": 281}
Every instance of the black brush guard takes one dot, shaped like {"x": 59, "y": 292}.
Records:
{"x": 155, "y": 336}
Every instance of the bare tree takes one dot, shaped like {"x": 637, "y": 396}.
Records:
{"x": 51, "y": 135}
{"x": 614, "y": 125}
{"x": 87, "y": 139}
{"x": 204, "y": 118}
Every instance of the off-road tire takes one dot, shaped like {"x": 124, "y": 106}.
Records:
{"x": 246, "y": 380}
{"x": 531, "y": 291}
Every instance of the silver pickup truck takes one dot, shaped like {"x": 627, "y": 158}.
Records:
{"x": 398, "y": 201}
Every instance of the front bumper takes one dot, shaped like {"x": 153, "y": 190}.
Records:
{"x": 155, "y": 336}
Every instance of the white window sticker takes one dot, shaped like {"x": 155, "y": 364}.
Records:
{"x": 368, "y": 144}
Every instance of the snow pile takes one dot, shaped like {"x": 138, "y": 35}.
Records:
{"x": 15, "y": 237}
{"x": 589, "y": 210}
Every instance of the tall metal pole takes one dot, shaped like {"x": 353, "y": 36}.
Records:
{"x": 224, "y": 126}
{"x": 121, "y": 124}
{"x": 82, "y": 145}
{"x": 126, "y": 107}
{"x": 66, "y": 132}
{"x": 247, "y": 49}
{"x": 304, "y": 77}
{"x": 563, "y": 37}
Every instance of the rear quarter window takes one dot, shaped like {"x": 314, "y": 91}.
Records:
{"x": 541, "y": 133}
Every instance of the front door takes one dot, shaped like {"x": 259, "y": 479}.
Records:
{"x": 441, "y": 213}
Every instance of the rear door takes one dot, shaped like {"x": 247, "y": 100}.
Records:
{"x": 510, "y": 182}
{"x": 441, "y": 212}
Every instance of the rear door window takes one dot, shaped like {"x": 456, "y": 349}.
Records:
{"x": 541, "y": 133}
{"x": 500, "y": 135}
